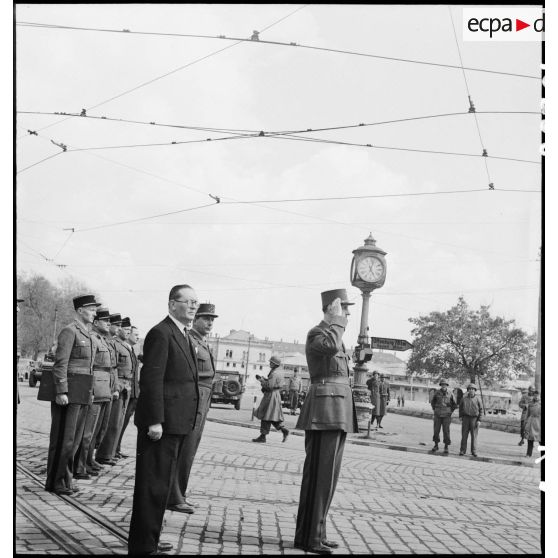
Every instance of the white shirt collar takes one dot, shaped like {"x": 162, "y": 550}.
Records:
{"x": 179, "y": 325}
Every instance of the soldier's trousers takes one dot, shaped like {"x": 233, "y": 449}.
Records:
{"x": 67, "y": 424}
{"x": 324, "y": 453}
{"x": 265, "y": 426}
{"x": 469, "y": 425}
{"x": 444, "y": 423}
{"x": 100, "y": 429}
{"x": 107, "y": 447}
{"x": 130, "y": 408}
{"x": 293, "y": 399}
{"x": 179, "y": 485}
{"x": 522, "y": 427}
{"x": 155, "y": 469}
{"x": 80, "y": 458}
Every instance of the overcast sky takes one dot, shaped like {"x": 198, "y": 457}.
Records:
{"x": 264, "y": 265}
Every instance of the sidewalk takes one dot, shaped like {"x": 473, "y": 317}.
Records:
{"x": 403, "y": 433}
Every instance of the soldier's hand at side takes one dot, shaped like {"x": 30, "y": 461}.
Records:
{"x": 115, "y": 395}
{"x": 62, "y": 399}
{"x": 336, "y": 308}
{"x": 155, "y": 432}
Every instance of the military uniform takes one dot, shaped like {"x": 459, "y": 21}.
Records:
{"x": 327, "y": 415}
{"x": 524, "y": 405}
{"x": 443, "y": 405}
{"x": 470, "y": 410}
{"x": 206, "y": 373}
{"x": 270, "y": 410}
{"x": 72, "y": 374}
{"x": 132, "y": 400}
{"x": 124, "y": 364}
{"x": 294, "y": 389}
{"x": 101, "y": 395}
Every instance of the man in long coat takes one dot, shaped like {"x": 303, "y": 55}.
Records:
{"x": 270, "y": 411}
{"x": 533, "y": 423}
{"x": 165, "y": 414}
{"x": 327, "y": 415}
{"x": 383, "y": 389}
{"x": 526, "y": 398}
{"x": 373, "y": 385}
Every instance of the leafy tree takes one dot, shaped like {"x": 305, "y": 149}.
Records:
{"x": 36, "y": 319}
{"x": 462, "y": 343}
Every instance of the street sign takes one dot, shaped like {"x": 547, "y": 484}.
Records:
{"x": 390, "y": 344}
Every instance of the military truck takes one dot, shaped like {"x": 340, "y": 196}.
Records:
{"x": 228, "y": 387}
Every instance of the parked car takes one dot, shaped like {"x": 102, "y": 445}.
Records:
{"x": 25, "y": 367}
{"x": 228, "y": 387}
{"x": 37, "y": 372}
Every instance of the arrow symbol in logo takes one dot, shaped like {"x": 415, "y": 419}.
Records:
{"x": 519, "y": 25}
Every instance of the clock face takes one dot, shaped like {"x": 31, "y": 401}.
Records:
{"x": 370, "y": 269}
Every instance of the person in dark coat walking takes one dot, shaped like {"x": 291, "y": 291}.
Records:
{"x": 327, "y": 415}
{"x": 470, "y": 412}
{"x": 533, "y": 423}
{"x": 270, "y": 410}
{"x": 373, "y": 385}
{"x": 383, "y": 389}
{"x": 165, "y": 414}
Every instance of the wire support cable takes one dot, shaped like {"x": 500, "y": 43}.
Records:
{"x": 279, "y": 43}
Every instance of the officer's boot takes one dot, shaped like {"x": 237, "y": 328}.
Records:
{"x": 446, "y": 448}
{"x": 285, "y": 433}
{"x": 260, "y": 439}
{"x": 521, "y": 442}
{"x": 435, "y": 448}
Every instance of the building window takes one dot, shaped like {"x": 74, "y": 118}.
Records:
{"x": 234, "y": 364}
{"x": 228, "y": 363}
{"x": 261, "y": 367}
{"x": 228, "y": 353}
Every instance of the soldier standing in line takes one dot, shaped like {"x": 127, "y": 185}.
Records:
{"x": 134, "y": 390}
{"x": 270, "y": 410}
{"x": 104, "y": 414}
{"x": 470, "y": 412}
{"x": 526, "y": 398}
{"x": 327, "y": 415}
{"x": 70, "y": 394}
{"x": 101, "y": 393}
{"x": 201, "y": 327}
{"x": 383, "y": 390}
{"x": 106, "y": 454}
{"x": 443, "y": 405}
{"x": 294, "y": 389}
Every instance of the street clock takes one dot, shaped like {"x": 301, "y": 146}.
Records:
{"x": 368, "y": 268}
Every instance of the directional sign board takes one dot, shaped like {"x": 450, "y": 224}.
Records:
{"x": 390, "y": 344}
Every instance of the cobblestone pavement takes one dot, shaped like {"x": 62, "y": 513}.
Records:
{"x": 386, "y": 501}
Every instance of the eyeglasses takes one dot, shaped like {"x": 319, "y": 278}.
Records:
{"x": 193, "y": 303}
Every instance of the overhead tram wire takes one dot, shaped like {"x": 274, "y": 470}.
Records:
{"x": 279, "y": 43}
{"x": 471, "y": 105}
{"x": 276, "y": 133}
{"x": 175, "y": 70}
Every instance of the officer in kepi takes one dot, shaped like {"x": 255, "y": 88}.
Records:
{"x": 327, "y": 415}
{"x": 443, "y": 405}
{"x": 71, "y": 393}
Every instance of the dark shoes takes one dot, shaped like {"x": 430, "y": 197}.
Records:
{"x": 331, "y": 544}
{"x": 320, "y": 549}
{"x": 461, "y": 453}
{"x": 190, "y": 503}
{"x": 260, "y": 439}
{"x": 475, "y": 455}
{"x": 435, "y": 448}
{"x": 380, "y": 426}
{"x": 106, "y": 461}
{"x": 63, "y": 492}
{"x": 120, "y": 455}
{"x": 93, "y": 472}
{"x": 521, "y": 442}
{"x": 164, "y": 546}
{"x": 285, "y": 434}
{"x": 82, "y": 476}
{"x": 181, "y": 508}
{"x": 446, "y": 449}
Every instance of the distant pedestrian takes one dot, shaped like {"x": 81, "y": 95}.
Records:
{"x": 383, "y": 388}
{"x": 526, "y": 398}
{"x": 443, "y": 405}
{"x": 470, "y": 410}
{"x": 402, "y": 401}
{"x": 373, "y": 385}
{"x": 294, "y": 390}
{"x": 533, "y": 423}
{"x": 270, "y": 411}
{"x": 399, "y": 401}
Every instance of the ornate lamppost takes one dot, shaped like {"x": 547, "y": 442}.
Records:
{"x": 368, "y": 272}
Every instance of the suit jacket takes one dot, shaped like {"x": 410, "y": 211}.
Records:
{"x": 169, "y": 391}
{"x": 329, "y": 403}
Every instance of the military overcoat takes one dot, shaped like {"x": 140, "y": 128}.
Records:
{"x": 270, "y": 406}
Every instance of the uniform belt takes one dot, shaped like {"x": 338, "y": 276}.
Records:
{"x": 330, "y": 380}
{"x": 79, "y": 369}
{"x": 102, "y": 368}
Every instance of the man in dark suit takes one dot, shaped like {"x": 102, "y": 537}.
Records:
{"x": 327, "y": 415}
{"x": 165, "y": 414}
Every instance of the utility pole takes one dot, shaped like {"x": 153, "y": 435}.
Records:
{"x": 538, "y": 358}
{"x": 54, "y": 332}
